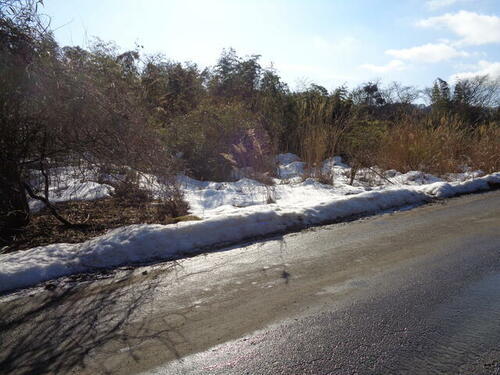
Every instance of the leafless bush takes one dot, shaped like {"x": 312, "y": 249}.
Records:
{"x": 361, "y": 145}
{"x": 325, "y": 178}
{"x": 318, "y": 173}
{"x": 129, "y": 189}
{"x": 172, "y": 203}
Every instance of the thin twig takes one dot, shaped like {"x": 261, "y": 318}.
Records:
{"x": 380, "y": 175}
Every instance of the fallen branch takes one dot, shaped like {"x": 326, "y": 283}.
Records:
{"x": 380, "y": 175}
{"x": 45, "y": 201}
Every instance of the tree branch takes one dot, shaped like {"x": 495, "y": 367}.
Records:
{"x": 52, "y": 209}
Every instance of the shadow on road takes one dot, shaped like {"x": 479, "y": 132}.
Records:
{"x": 53, "y": 332}
{"x": 94, "y": 325}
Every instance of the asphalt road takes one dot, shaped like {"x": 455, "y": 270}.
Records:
{"x": 416, "y": 291}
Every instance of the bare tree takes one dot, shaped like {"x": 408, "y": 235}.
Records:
{"x": 479, "y": 91}
{"x": 396, "y": 92}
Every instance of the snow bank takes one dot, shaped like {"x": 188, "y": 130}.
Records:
{"x": 446, "y": 190}
{"x": 144, "y": 243}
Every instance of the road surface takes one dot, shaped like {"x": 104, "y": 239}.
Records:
{"x": 415, "y": 291}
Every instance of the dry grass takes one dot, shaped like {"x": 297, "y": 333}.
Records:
{"x": 321, "y": 126}
{"x": 413, "y": 146}
{"x": 485, "y": 150}
{"x": 317, "y": 173}
{"x": 314, "y": 146}
{"x": 179, "y": 219}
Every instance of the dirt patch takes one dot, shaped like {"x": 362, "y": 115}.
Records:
{"x": 96, "y": 217}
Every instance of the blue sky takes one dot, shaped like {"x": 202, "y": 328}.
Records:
{"x": 327, "y": 42}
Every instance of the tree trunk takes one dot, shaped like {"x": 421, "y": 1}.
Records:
{"x": 14, "y": 208}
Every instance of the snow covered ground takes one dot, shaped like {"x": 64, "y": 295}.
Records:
{"x": 234, "y": 211}
{"x": 72, "y": 184}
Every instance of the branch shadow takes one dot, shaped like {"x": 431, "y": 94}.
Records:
{"x": 55, "y": 332}
{"x": 58, "y": 330}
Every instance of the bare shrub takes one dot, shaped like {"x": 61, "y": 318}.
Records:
{"x": 172, "y": 203}
{"x": 318, "y": 173}
{"x": 65, "y": 106}
{"x": 129, "y": 189}
{"x": 325, "y": 177}
{"x": 361, "y": 145}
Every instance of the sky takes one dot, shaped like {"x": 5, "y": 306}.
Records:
{"x": 328, "y": 42}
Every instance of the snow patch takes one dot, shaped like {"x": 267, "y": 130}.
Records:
{"x": 71, "y": 184}
{"x": 284, "y": 159}
{"x": 294, "y": 169}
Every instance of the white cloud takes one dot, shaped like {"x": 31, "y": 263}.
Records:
{"x": 429, "y": 53}
{"x": 393, "y": 65}
{"x": 438, "y": 4}
{"x": 483, "y": 67}
{"x": 473, "y": 28}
